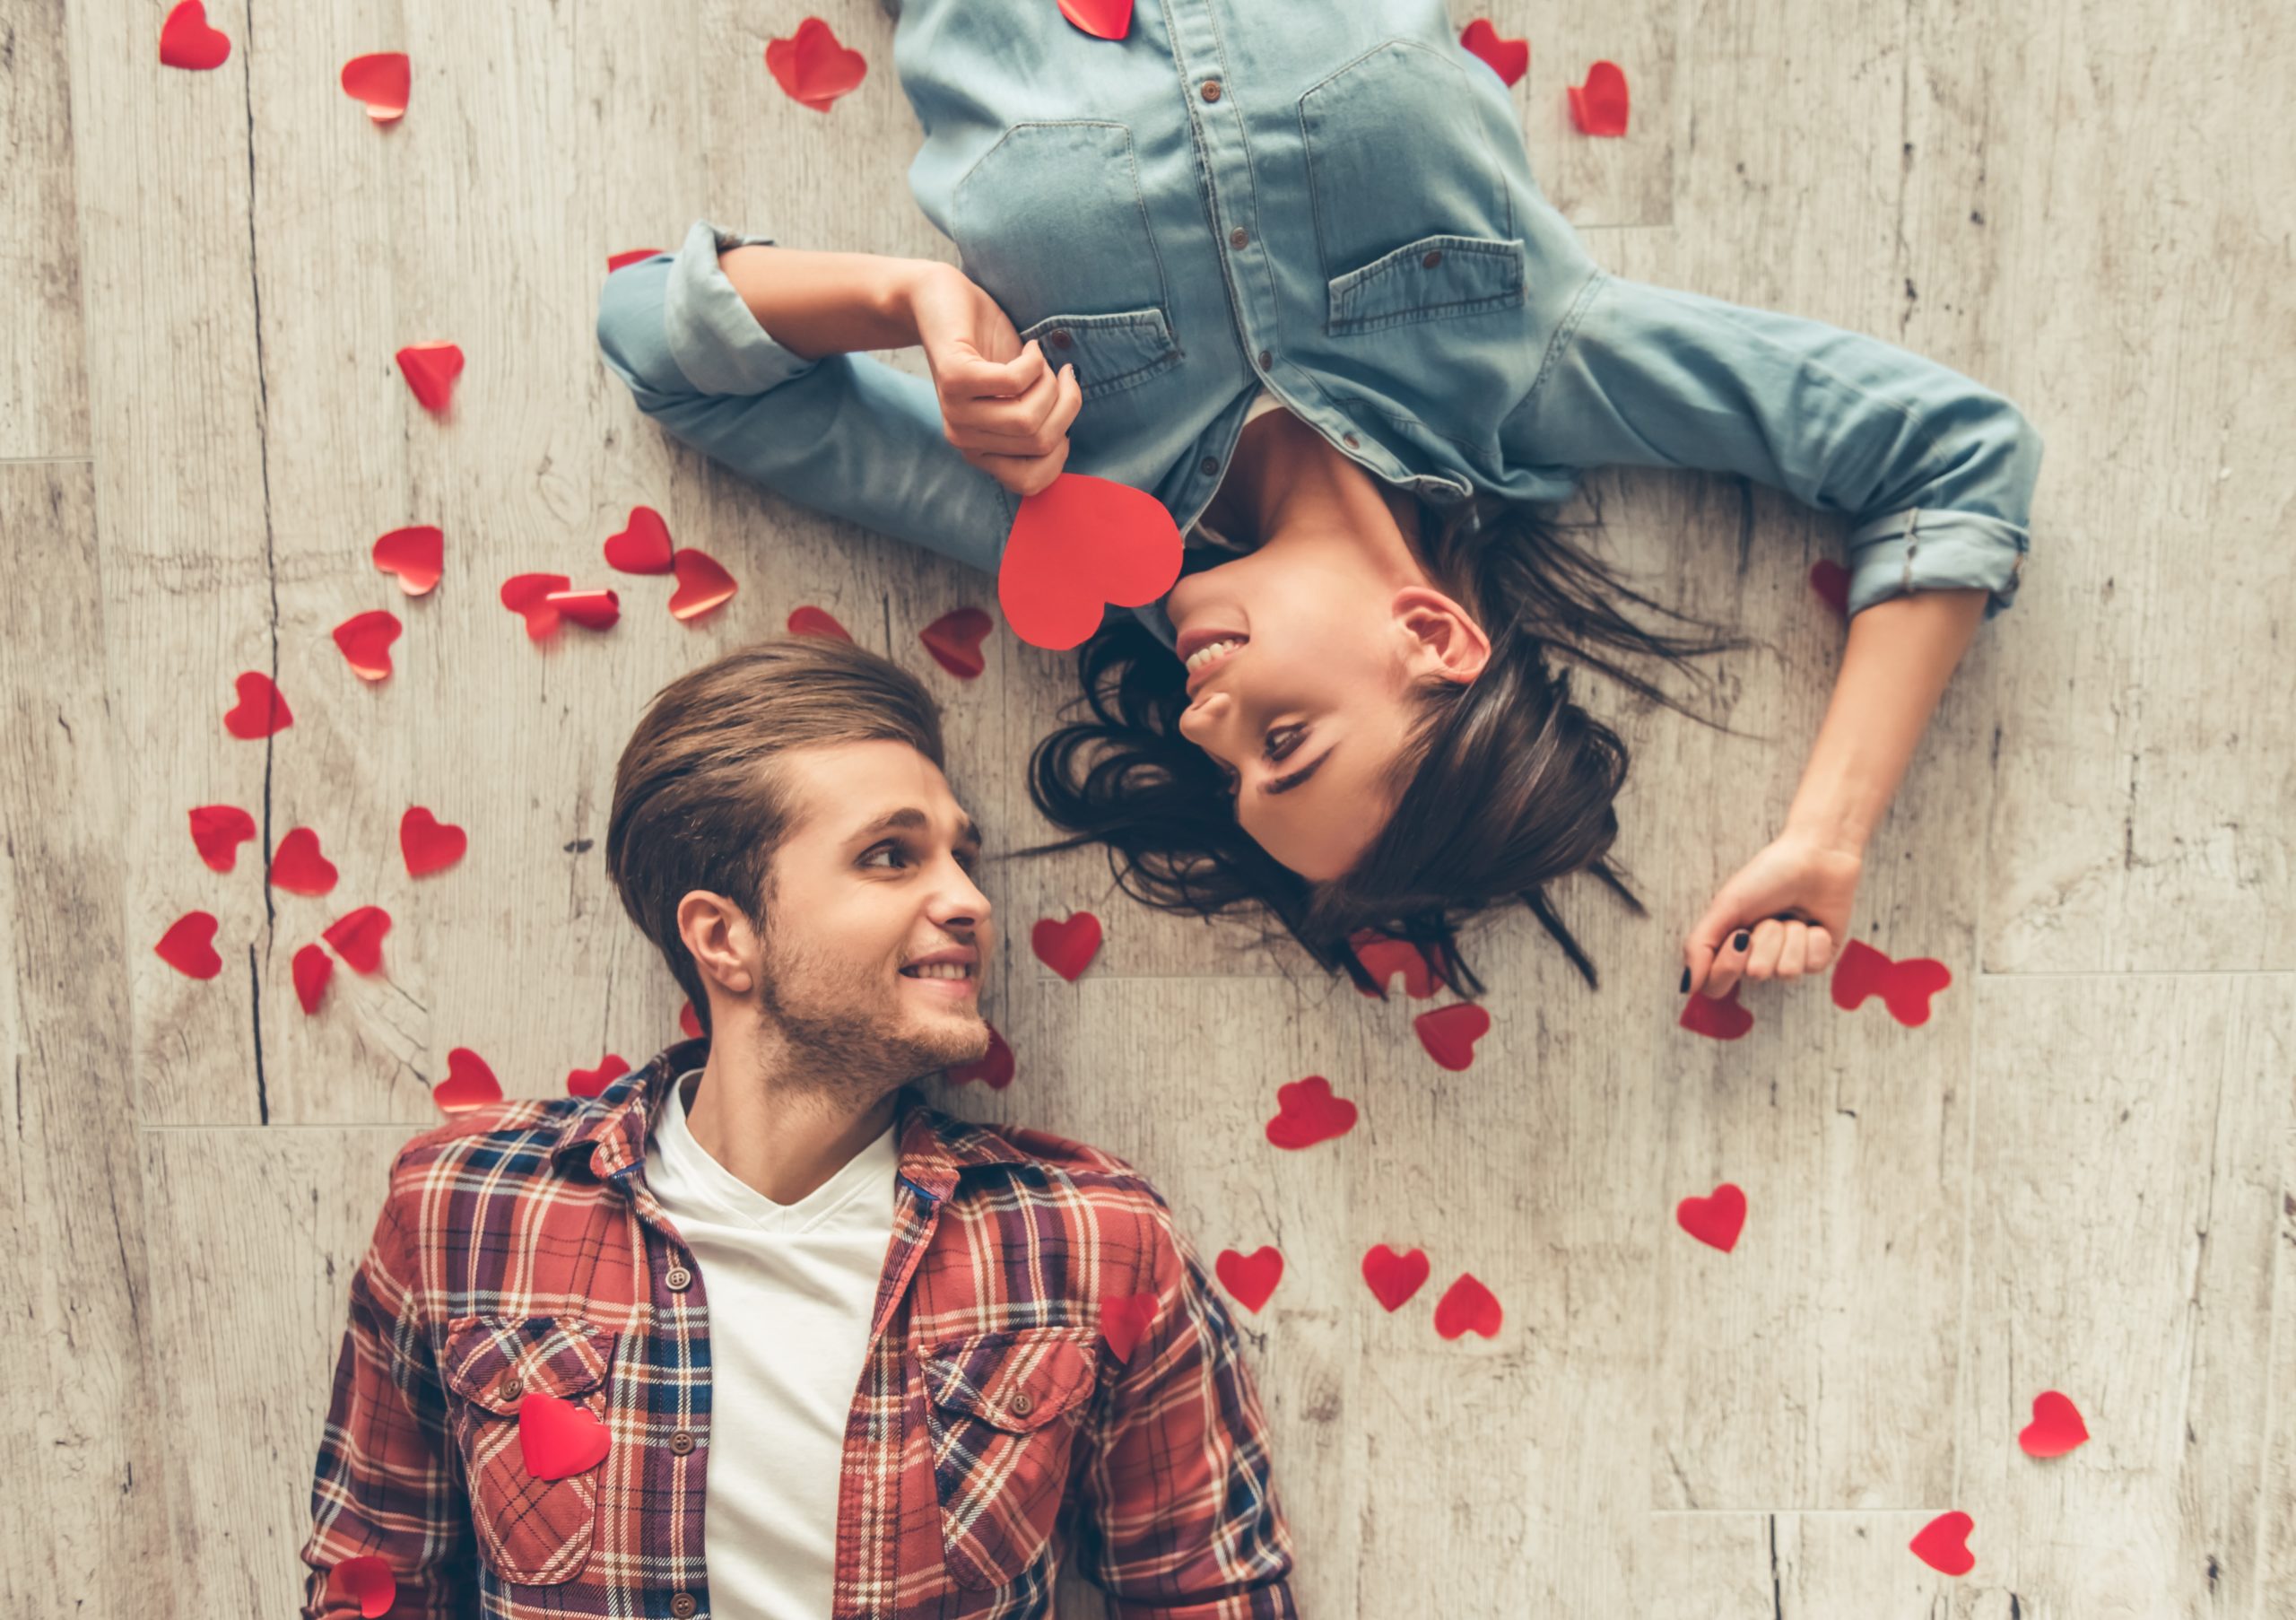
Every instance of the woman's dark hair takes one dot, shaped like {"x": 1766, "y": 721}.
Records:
{"x": 1503, "y": 784}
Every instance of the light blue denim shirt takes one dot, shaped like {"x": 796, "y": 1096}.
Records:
{"x": 1343, "y": 213}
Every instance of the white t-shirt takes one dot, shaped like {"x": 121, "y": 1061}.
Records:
{"x": 789, "y": 1289}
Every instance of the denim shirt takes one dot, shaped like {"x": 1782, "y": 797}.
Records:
{"x": 1343, "y": 213}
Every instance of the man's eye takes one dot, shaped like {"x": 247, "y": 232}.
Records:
{"x": 882, "y": 849}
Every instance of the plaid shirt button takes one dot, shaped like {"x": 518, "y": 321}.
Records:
{"x": 1022, "y": 1403}
{"x": 682, "y": 1442}
{"x": 682, "y": 1606}
{"x": 678, "y": 1279}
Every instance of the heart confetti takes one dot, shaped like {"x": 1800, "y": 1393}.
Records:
{"x": 2056, "y": 1429}
{"x": 366, "y": 1580}
{"x": 1383, "y": 958}
{"x": 428, "y": 844}
{"x": 1831, "y": 580}
{"x": 217, "y": 831}
{"x": 357, "y": 937}
{"x": 815, "y": 622}
{"x": 1124, "y": 1317}
{"x": 1469, "y": 1307}
{"x": 186, "y": 41}
{"x": 1598, "y": 107}
{"x": 416, "y": 555}
{"x": 1904, "y": 987}
{"x": 527, "y": 596}
{"x": 297, "y": 866}
{"x": 812, "y": 67}
{"x": 188, "y": 946}
{"x": 993, "y": 1069}
{"x": 954, "y": 642}
{"x": 702, "y": 585}
{"x": 1942, "y": 1544}
{"x": 261, "y": 711}
{"x": 592, "y": 1082}
{"x": 313, "y": 968}
{"x": 1718, "y": 1016}
{"x": 557, "y": 1438}
{"x": 1510, "y": 59}
{"x": 378, "y": 82}
{"x": 1393, "y": 1279}
{"x": 1308, "y": 1113}
{"x": 642, "y": 545}
{"x": 1101, "y": 18}
{"x": 1717, "y": 1219}
{"x": 1250, "y": 1278}
{"x": 1449, "y": 1033}
{"x": 469, "y": 1083}
{"x": 430, "y": 370}
{"x": 630, "y": 256}
{"x": 1076, "y": 545}
{"x": 591, "y": 609}
{"x": 1068, "y": 947}
{"x": 366, "y": 640}
{"x": 689, "y": 1022}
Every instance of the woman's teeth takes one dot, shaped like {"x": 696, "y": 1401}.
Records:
{"x": 939, "y": 970}
{"x": 1204, "y": 655}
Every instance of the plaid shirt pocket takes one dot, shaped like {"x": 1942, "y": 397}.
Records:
{"x": 1003, "y": 1410}
{"x": 535, "y": 1531}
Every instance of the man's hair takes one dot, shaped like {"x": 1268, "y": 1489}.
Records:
{"x": 698, "y": 799}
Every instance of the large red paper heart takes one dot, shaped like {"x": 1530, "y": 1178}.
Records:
{"x": 702, "y": 585}
{"x": 469, "y": 1083}
{"x": 1393, "y": 1278}
{"x": 186, "y": 41}
{"x": 1720, "y": 1016}
{"x": 1904, "y": 987}
{"x": 1101, "y": 18}
{"x": 1831, "y": 580}
{"x": 1599, "y": 106}
{"x": 815, "y": 622}
{"x": 591, "y": 609}
{"x": 557, "y": 1438}
{"x": 428, "y": 844}
{"x": 313, "y": 968}
{"x": 592, "y": 1082}
{"x": 1307, "y": 1113}
{"x": 1124, "y": 1317}
{"x": 1383, "y": 958}
{"x": 357, "y": 937}
{"x": 297, "y": 866}
{"x": 812, "y": 67}
{"x": 1942, "y": 1544}
{"x": 642, "y": 545}
{"x": 1068, "y": 947}
{"x": 1078, "y": 544}
{"x": 1716, "y": 1219}
{"x": 954, "y": 640}
{"x": 430, "y": 370}
{"x": 217, "y": 831}
{"x": 1469, "y": 1307}
{"x": 689, "y": 1022}
{"x": 1449, "y": 1033}
{"x": 630, "y": 256}
{"x": 188, "y": 946}
{"x": 993, "y": 1069}
{"x": 262, "y": 708}
{"x": 1510, "y": 59}
{"x": 1250, "y": 1278}
{"x": 366, "y": 640}
{"x": 2056, "y": 1426}
{"x": 416, "y": 555}
{"x": 378, "y": 82}
{"x": 366, "y": 1580}
{"x": 527, "y": 596}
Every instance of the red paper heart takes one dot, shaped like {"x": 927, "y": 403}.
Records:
{"x": 188, "y": 946}
{"x": 430, "y": 370}
{"x": 469, "y": 1083}
{"x": 416, "y": 555}
{"x": 592, "y": 1082}
{"x": 689, "y": 1022}
{"x": 591, "y": 609}
{"x": 954, "y": 640}
{"x": 1510, "y": 59}
{"x": 1307, "y": 1113}
{"x": 1720, "y": 1016}
{"x": 1904, "y": 987}
{"x": 378, "y": 82}
{"x": 2056, "y": 1426}
{"x": 1942, "y": 1544}
{"x": 642, "y": 545}
{"x": 1716, "y": 1219}
{"x": 366, "y": 1580}
{"x": 1068, "y": 947}
{"x": 1080, "y": 543}
{"x": 557, "y": 1438}
{"x": 357, "y": 937}
{"x": 1469, "y": 1307}
{"x": 261, "y": 711}
{"x": 297, "y": 866}
{"x": 1831, "y": 580}
{"x": 630, "y": 256}
{"x": 186, "y": 41}
{"x": 702, "y": 585}
{"x": 1124, "y": 1317}
{"x": 1383, "y": 958}
{"x": 313, "y": 968}
{"x": 1101, "y": 18}
{"x": 1598, "y": 107}
{"x": 1394, "y": 1278}
{"x": 993, "y": 1069}
{"x": 814, "y": 622}
{"x": 366, "y": 640}
{"x": 1250, "y": 1278}
{"x": 217, "y": 831}
{"x": 813, "y": 67}
{"x": 1449, "y": 1033}
{"x": 527, "y": 596}
{"x": 428, "y": 844}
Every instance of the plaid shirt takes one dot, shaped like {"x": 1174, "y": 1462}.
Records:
{"x": 519, "y": 1251}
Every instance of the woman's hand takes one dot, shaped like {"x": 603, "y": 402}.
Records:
{"x": 1778, "y": 917}
{"x": 1001, "y": 403}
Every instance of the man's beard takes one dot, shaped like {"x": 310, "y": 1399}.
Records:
{"x": 841, "y": 1036}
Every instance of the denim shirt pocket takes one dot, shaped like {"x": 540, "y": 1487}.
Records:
{"x": 1431, "y": 279}
{"x": 1110, "y": 352}
{"x": 536, "y": 1532}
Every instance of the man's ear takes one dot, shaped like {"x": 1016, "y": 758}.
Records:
{"x": 724, "y": 944}
{"x": 1443, "y": 638}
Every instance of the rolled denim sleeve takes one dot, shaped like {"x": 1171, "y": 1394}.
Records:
{"x": 1936, "y": 472}
{"x": 845, "y": 435}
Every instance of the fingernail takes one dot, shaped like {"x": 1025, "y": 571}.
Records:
{"x": 1686, "y": 980}
{"x": 1741, "y": 941}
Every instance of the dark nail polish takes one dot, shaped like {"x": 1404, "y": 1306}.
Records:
{"x": 1741, "y": 941}
{"x": 1685, "y": 980}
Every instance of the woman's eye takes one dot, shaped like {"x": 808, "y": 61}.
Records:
{"x": 1288, "y": 746}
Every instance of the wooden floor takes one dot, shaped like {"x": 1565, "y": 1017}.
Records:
{"x": 2080, "y": 1174}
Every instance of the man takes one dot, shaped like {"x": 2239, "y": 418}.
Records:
{"x": 757, "y": 1335}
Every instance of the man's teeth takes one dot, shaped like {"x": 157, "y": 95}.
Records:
{"x": 1204, "y": 655}
{"x": 939, "y": 970}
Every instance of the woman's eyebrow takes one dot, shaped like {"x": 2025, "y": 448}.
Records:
{"x": 1284, "y": 784}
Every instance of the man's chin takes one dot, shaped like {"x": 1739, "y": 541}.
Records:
{"x": 950, "y": 1040}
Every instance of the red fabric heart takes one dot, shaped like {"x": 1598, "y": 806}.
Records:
{"x": 702, "y": 585}
{"x": 186, "y": 41}
{"x": 642, "y": 545}
{"x": 469, "y": 1083}
{"x": 217, "y": 831}
{"x": 366, "y": 1580}
{"x": 526, "y": 595}
{"x": 428, "y": 844}
{"x": 591, "y": 609}
{"x": 1510, "y": 59}
{"x": 592, "y": 1082}
{"x": 954, "y": 642}
{"x": 366, "y": 640}
{"x": 814, "y": 622}
{"x": 378, "y": 82}
{"x": 416, "y": 555}
{"x": 1469, "y": 1307}
{"x": 813, "y": 67}
{"x": 430, "y": 370}
{"x": 1942, "y": 1544}
{"x": 1307, "y": 1113}
{"x": 1068, "y": 947}
{"x": 630, "y": 256}
{"x": 689, "y": 1022}
{"x": 188, "y": 946}
{"x": 357, "y": 937}
{"x": 993, "y": 1069}
{"x": 1720, "y": 1016}
{"x": 297, "y": 866}
{"x": 1599, "y": 106}
{"x": 1716, "y": 1219}
{"x": 2056, "y": 1426}
{"x": 313, "y": 968}
{"x": 1079, "y": 544}
{"x": 1394, "y": 1278}
{"x": 1449, "y": 1033}
{"x": 1124, "y": 1317}
{"x": 1831, "y": 580}
{"x": 261, "y": 711}
{"x": 1250, "y": 1278}
{"x": 1383, "y": 958}
{"x": 559, "y": 1439}
{"x": 1101, "y": 18}
{"x": 1904, "y": 987}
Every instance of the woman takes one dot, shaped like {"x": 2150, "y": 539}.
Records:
{"x": 1297, "y": 282}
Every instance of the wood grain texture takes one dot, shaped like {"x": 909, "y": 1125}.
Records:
{"x": 43, "y": 366}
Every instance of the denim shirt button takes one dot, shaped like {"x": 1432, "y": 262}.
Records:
{"x": 1208, "y": 465}
{"x": 1239, "y": 236}
{"x": 1265, "y": 360}
{"x": 1349, "y": 440}
{"x": 1431, "y": 257}
{"x": 1212, "y": 90}
{"x": 1060, "y": 338}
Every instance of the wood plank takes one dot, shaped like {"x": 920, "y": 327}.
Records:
{"x": 43, "y": 362}
{"x": 1780, "y": 1566}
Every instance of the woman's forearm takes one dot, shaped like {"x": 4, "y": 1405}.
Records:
{"x": 817, "y": 303}
{"x": 1901, "y": 652}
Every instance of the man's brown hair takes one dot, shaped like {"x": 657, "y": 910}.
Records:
{"x": 698, "y": 801}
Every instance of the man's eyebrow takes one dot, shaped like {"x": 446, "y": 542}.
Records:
{"x": 1284, "y": 784}
{"x": 910, "y": 819}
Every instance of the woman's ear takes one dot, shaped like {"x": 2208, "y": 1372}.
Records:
{"x": 1442, "y": 639}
